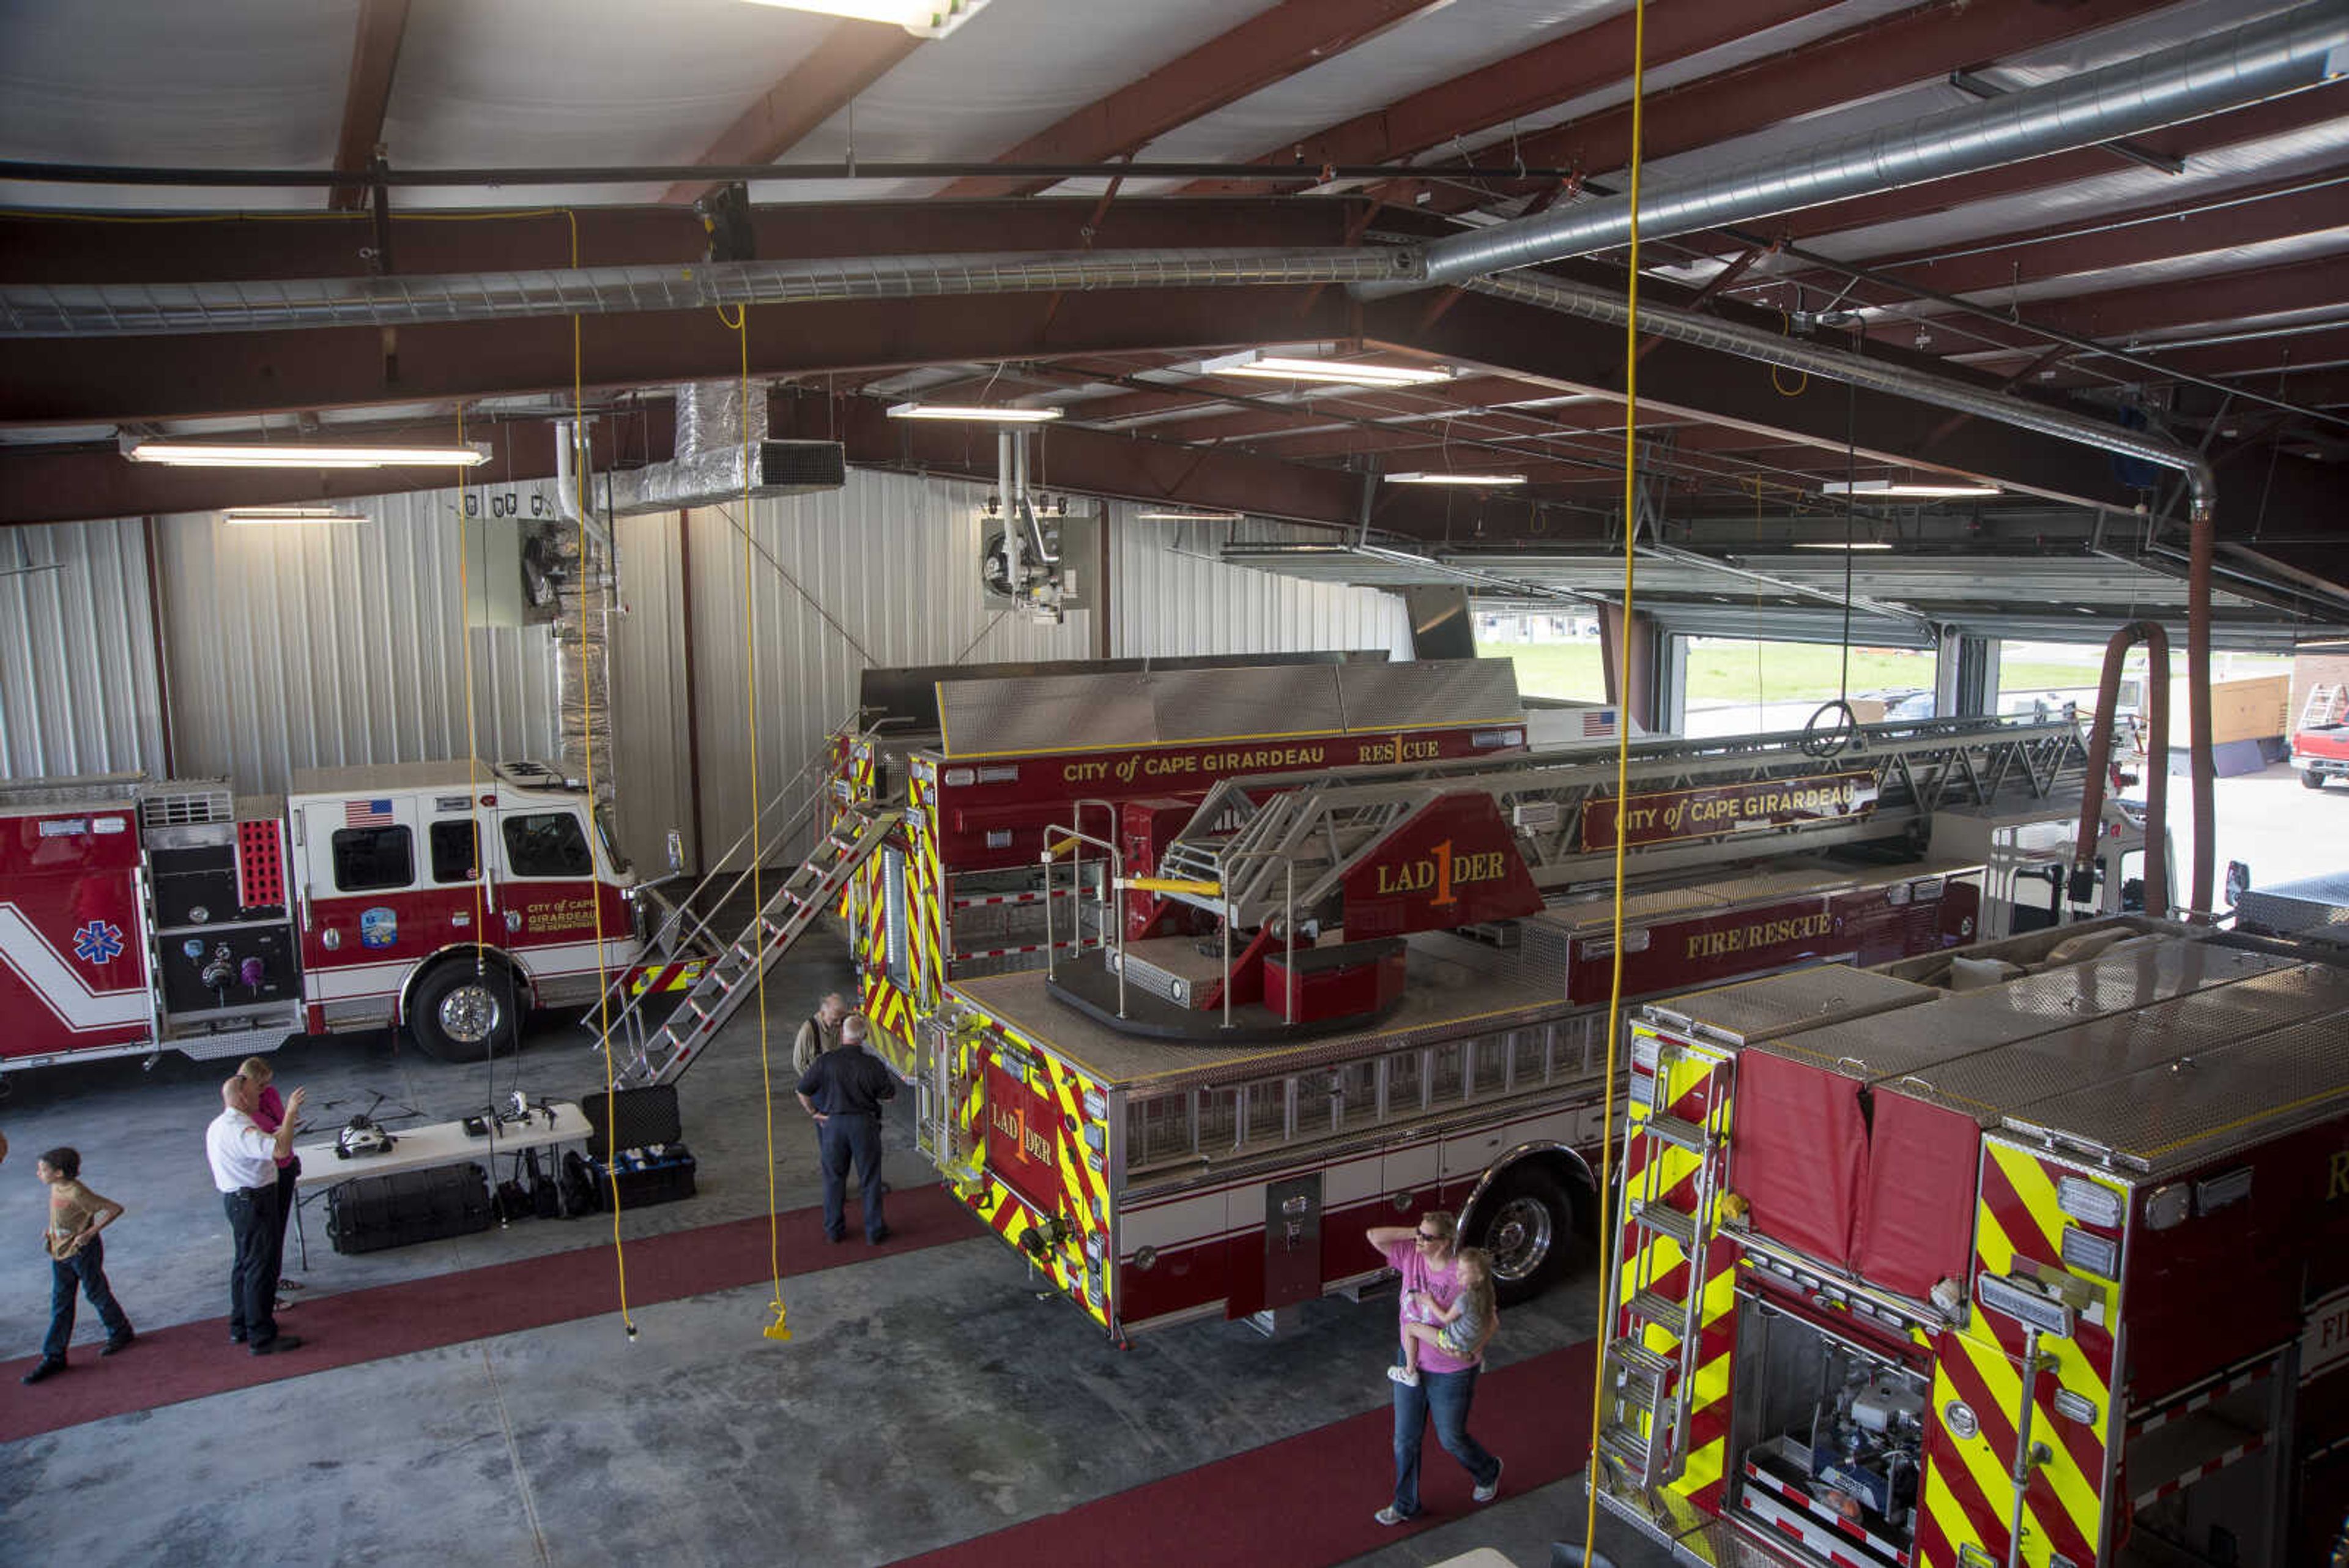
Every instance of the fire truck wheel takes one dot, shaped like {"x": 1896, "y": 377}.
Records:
{"x": 1527, "y": 1224}
{"x": 460, "y": 1016}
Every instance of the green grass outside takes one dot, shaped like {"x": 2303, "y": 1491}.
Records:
{"x": 1774, "y": 672}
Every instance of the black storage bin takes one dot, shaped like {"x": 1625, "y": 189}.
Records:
{"x": 632, "y": 1118}
{"x": 373, "y": 1212}
{"x": 648, "y": 1176}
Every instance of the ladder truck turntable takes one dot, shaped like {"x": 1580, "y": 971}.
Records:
{"x": 2051, "y": 1271}
{"x": 1187, "y": 1000}
{"x": 140, "y": 916}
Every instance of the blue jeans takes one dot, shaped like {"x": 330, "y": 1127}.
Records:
{"x": 844, "y": 1137}
{"x": 86, "y": 1272}
{"x": 1446, "y": 1397}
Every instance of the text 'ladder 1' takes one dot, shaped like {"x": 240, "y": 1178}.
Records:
{"x": 805, "y": 894}
{"x": 1669, "y": 1159}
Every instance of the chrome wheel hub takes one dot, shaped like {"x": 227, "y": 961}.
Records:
{"x": 1520, "y": 1239}
{"x": 469, "y": 1013}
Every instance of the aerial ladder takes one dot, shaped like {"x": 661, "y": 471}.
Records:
{"x": 1269, "y": 844}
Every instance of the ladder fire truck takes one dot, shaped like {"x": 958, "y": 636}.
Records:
{"x": 1196, "y": 971}
{"x": 138, "y": 916}
{"x": 2053, "y": 1271}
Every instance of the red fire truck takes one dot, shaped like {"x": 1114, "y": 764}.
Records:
{"x": 1198, "y": 971}
{"x": 138, "y": 916}
{"x": 2053, "y": 1270}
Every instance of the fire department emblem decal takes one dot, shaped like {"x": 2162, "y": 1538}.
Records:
{"x": 99, "y": 942}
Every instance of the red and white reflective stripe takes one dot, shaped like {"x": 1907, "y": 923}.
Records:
{"x": 2203, "y": 1471}
{"x": 977, "y": 901}
{"x": 1036, "y": 948}
{"x": 1815, "y": 1539}
{"x": 1800, "y": 1500}
{"x": 2217, "y": 1390}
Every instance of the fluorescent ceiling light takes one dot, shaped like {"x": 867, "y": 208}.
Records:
{"x": 1907, "y": 490}
{"x": 1280, "y": 368}
{"x": 211, "y": 454}
{"x": 1001, "y": 415}
{"x": 281, "y": 514}
{"x": 1192, "y": 516}
{"x": 1840, "y": 544}
{"x": 923, "y": 19}
{"x": 1455, "y": 479}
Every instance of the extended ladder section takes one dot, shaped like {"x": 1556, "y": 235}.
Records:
{"x": 2323, "y": 707}
{"x": 1249, "y": 832}
{"x": 1675, "y": 1155}
{"x": 664, "y": 1055}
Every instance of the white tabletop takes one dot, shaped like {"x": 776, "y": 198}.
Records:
{"x": 443, "y": 1143}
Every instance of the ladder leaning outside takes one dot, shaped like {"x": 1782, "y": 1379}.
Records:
{"x": 664, "y": 1055}
{"x": 1644, "y": 1425}
{"x": 2323, "y": 706}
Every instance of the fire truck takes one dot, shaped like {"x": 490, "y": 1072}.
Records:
{"x": 1196, "y": 973}
{"x": 2037, "y": 1253}
{"x": 139, "y": 916}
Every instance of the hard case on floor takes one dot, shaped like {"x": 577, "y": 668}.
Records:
{"x": 648, "y": 1176}
{"x": 373, "y": 1212}
{"x": 632, "y": 1118}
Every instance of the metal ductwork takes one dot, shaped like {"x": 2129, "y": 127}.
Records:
{"x": 722, "y": 453}
{"x": 123, "y": 310}
{"x": 2261, "y": 59}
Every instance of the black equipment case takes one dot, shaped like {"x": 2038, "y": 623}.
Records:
{"x": 647, "y": 1176}
{"x": 372, "y": 1212}
{"x": 631, "y": 1119}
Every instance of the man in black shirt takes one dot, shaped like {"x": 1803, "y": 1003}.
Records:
{"x": 844, "y": 1092}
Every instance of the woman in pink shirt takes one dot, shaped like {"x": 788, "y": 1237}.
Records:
{"x": 268, "y": 1111}
{"x": 1427, "y": 1257}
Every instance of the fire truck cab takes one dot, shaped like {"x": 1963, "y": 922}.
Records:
{"x": 142, "y": 915}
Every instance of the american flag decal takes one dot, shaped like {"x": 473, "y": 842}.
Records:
{"x": 367, "y": 813}
{"x": 1598, "y": 722}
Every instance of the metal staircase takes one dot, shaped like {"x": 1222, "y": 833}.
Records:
{"x": 1327, "y": 822}
{"x": 663, "y": 1055}
{"x": 1650, "y": 1364}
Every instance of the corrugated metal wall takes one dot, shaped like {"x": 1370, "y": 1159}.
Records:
{"x": 1172, "y": 596}
{"x": 652, "y": 788}
{"x": 78, "y": 679}
{"x": 335, "y": 645}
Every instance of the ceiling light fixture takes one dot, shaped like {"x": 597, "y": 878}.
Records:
{"x": 1265, "y": 366}
{"x": 1840, "y": 544}
{"x": 998, "y": 416}
{"x": 1455, "y": 479}
{"x": 211, "y": 454}
{"x": 1909, "y": 489}
{"x": 1192, "y": 516}
{"x": 259, "y": 515}
{"x": 923, "y": 19}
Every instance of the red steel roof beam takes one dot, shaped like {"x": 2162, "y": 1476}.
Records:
{"x": 1565, "y": 67}
{"x": 1264, "y": 50}
{"x": 375, "y": 56}
{"x": 851, "y": 58}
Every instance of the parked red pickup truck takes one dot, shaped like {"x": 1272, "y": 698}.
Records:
{"x": 2321, "y": 754}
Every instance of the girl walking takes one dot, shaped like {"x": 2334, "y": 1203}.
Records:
{"x": 77, "y": 1259}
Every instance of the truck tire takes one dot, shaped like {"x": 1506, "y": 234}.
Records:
{"x": 2311, "y": 779}
{"x": 458, "y": 1015}
{"x": 1526, "y": 1223}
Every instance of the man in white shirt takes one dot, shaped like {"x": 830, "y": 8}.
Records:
{"x": 244, "y": 1167}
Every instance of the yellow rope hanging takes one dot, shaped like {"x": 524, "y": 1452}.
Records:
{"x": 1622, "y": 753}
{"x": 587, "y": 738}
{"x": 741, "y": 326}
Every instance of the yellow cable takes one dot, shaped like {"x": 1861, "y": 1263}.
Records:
{"x": 587, "y": 740}
{"x": 780, "y": 1328}
{"x": 1622, "y": 772}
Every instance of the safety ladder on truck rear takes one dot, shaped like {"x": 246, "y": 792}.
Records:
{"x": 2323, "y": 707}
{"x": 661, "y": 1056}
{"x": 1675, "y": 1155}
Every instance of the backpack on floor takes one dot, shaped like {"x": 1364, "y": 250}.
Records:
{"x": 580, "y": 1194}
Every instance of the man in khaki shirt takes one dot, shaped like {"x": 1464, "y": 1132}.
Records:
{"x": 819, "y": 1034}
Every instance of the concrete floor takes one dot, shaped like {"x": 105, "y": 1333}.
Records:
{"x": 913, "y": 1409}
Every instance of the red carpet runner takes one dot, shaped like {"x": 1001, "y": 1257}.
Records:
{"x": 1307, "y": 1501}
{"x": 193, "y": 1360}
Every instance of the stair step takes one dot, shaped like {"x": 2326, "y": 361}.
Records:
{"x": 1673, "y": 1130}
{"x": 1666, "y": 1221}
{"x": 1625, "y": 1447}
{"x": 1660, "y": 1310}
{"x": 1637, "y": 1360}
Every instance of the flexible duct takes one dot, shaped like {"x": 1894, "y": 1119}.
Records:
{"x": 1834, "y": 365}
{"x": 2157, "y": 760}
{"x": 2277, "y": 55}
{"x": 152, "y": 309}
